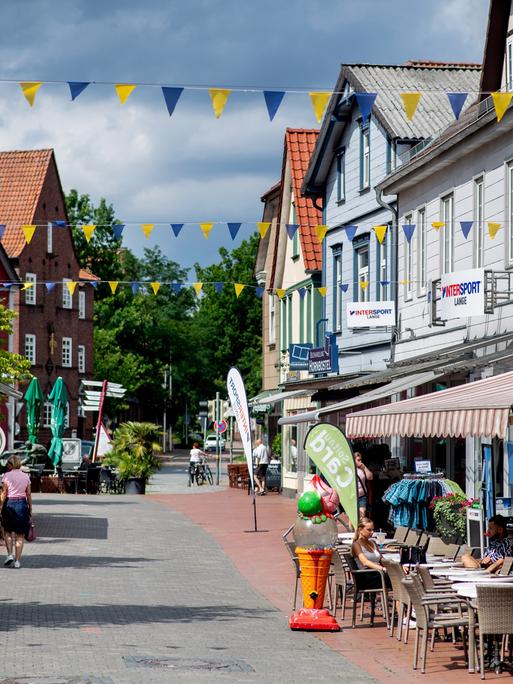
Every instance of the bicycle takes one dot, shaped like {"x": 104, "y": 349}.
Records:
{"x": 201, "y": 473}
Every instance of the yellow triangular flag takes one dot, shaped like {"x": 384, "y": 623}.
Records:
{"x": 322, "y": 291}
{"x": 238, "y": 288}
{"x": 28, "y": 232}
{"x": 147, "y": 228}
{"x": 493, "y": 228}
{"x": 321, "y": 232}
{"x": 438, "y": 224}
{"x": 27, "y": 286}
{"x": 30, "y": 89}
{"x": 263, "y": 228}
{"x": 404, "y": 282}
{"x": 197, "y": 287}
{"x": 410, "y": 102}
{"x": 113, "y": 284}
{"x": 319, "y": 102}
{"x": 124, "y": 90}
{"x": 71, "y": 286}
{"x": 155, "y": 287}
{"x": 219, "y": 97}
{"x": 88, "y": 232}
{"x": 380, "y": 231}
{"x": 501, "y": 103}
{"x": 206, "y": 228}
{"x": 280, "y": 292}
{"x": 364, "y": 284}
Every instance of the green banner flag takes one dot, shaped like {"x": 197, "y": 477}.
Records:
{"x": 327, "y": 446}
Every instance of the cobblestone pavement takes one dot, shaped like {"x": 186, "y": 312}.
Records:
{"x": 122, "y": 590}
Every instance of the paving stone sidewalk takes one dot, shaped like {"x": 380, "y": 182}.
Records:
{"x": 123, "y": 590}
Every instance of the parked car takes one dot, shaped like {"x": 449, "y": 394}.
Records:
{"x": 210, "y": 443}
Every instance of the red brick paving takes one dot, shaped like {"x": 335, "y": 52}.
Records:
{"x": 263, "y": 560}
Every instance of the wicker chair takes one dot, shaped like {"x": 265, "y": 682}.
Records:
{"x": 401, "y": 604}
{"x": 291, "y": 548}
{"x": 437, "y": 547}
{"x": 423, "y": 605}
{"x": 495, "y": 615}
{"x": 433, "y": 585}
{"x": 341, "y": 582}
{"x": 507, "y": 566}
{"x": 359, "y": 589}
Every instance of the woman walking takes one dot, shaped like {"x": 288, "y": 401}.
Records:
{"x": 16, "y": 500}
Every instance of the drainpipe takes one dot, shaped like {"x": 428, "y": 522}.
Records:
{"x": 317, "y": 324}
{"x": 395, "y": 264}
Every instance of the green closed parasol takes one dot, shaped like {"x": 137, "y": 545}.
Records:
{"x": 59, "y": 400}
{"x": 33, "y": 398}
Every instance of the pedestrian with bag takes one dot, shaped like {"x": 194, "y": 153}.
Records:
{"x": 364, "y": 475}
{"x": 16, "y": 502}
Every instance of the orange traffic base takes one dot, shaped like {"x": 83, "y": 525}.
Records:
{"x": 315, "y": 619}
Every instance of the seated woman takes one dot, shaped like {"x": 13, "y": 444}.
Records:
{"x": 499, "y": 547}
{"x": 367, "y": 555}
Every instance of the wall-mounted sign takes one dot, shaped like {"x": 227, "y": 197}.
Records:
{"x": 298, "y": 356}
{"x": 324, "y": 359}
{"x": 462, "y": 294}
{"x": 370, "y": 314}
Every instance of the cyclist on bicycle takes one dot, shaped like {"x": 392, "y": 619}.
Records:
{"x": 195, "y": 460}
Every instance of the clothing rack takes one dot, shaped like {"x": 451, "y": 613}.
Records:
{"x": 424, "y": 476}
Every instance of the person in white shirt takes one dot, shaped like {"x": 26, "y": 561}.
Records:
{"x": 196, "y": 456}
{"x": 261, "y": 458}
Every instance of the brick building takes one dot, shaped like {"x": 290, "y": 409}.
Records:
{"x": 54, "y": 328}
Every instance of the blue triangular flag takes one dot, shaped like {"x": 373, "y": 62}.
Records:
{"x": 7, "y": 285}
{"x": 302, "y": 292}
{"x": 135, "y": 287}
{"x": 118, "y": 229}
{"x": 457, "y": 100}
{"x": 49, "y": 286}
{"x": 291, "y": 229}
{"x": 466, "y": 227}
{"x": 234, "y": 229}
{"x": 171, "y": 96}
{"x": 176, "y": 227}
{"x": 259, "y": 291}
{"x": 77, "y": 87}
{"x": 93, "y": 283}
{"x": 2, "y": 230}
{"x": 59, "y": 224}
{"x": 176, "y": 287}
{"x": 344, "y": 287}
{"x": 409, "y": 229}
{"x": 365, "y": 103}
{"x": 218, "y": 287}
{"x": 384, "y": 283}
{"x": 273, "y": 99}
{"x": 350, "y": 232}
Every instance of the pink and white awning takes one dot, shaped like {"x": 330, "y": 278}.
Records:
{"x": 480, "y": 408}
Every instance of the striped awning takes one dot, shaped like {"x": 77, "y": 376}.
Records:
{"x": 480, "y": 408}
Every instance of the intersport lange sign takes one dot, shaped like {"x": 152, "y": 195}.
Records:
{"x": 462, "y": 294}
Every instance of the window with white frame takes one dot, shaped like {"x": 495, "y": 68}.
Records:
{"x": 362, "y": 263}
{"x": 364, "y": 157}
{"x": 421, "y": 252}
{"x": 81, "y": 304}
{"x": 49, "y": 238}
{"x": 67, "y": 299}
{"x": 341, "y": 176}
{"x": 81, "y": 358}
{"x": 30, "y": 348}
{"x": 447, "y": 237}
{"x": 337, "y": 292}
{"x": 479, "y": 227}
{"x": 382, "y": 289}
{"x": 47, "y": 415}
{"x": 408, "y": 263}
{"x": 67, "y": 350}
{"x": 30, "y": 292}
{"x": 272, "y": 319}
{"x": 509, "y": 64}
{"x": 509, "y": 209}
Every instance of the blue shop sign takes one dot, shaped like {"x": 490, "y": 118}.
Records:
{"x": 324, "y": 359}
{"x": 298, "y": 356}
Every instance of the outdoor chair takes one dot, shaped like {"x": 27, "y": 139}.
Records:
{"x": 507, "y": 566}
{"x": 399, "y": 536}
{"x": 361, "y": 591}
{"x": 437, "y": 547}
{"x": 495, "y": 617}
{"x": 401, "y": 603}
{"x": 426, "y": 619}
{"x": 341, "y": 582}
{"x": 453, "y": 551}
{"x": 291, "y": 549}
{"x": 434, "y": 585}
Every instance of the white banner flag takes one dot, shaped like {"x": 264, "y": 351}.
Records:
{"x": 239, "y": 403}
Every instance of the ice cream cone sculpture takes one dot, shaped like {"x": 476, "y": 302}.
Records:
{"x": 315, "y": 534}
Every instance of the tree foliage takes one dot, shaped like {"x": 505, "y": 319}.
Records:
{"x": 12, "y": 366}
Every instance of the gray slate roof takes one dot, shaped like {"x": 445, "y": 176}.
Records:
{"x": 433, "y": 113}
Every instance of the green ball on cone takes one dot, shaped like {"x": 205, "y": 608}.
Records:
{"x": 309, "y": 503}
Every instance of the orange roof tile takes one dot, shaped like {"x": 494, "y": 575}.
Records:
{"x": 85, "y": 274}
{"x": 300, "y": 144}
{"x": 22, "y": 174}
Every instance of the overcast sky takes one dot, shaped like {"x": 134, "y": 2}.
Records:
{"x": 192, "y": 167}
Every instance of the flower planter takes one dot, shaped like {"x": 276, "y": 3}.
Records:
{"x": 135, "y": 485}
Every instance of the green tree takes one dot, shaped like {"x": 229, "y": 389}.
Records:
{"x": 101, "y": 254}
{"x": 12, "y": 366}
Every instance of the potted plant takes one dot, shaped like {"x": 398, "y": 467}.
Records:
{"x": 134, "y": 453}
{"x": 450, "y": 514}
